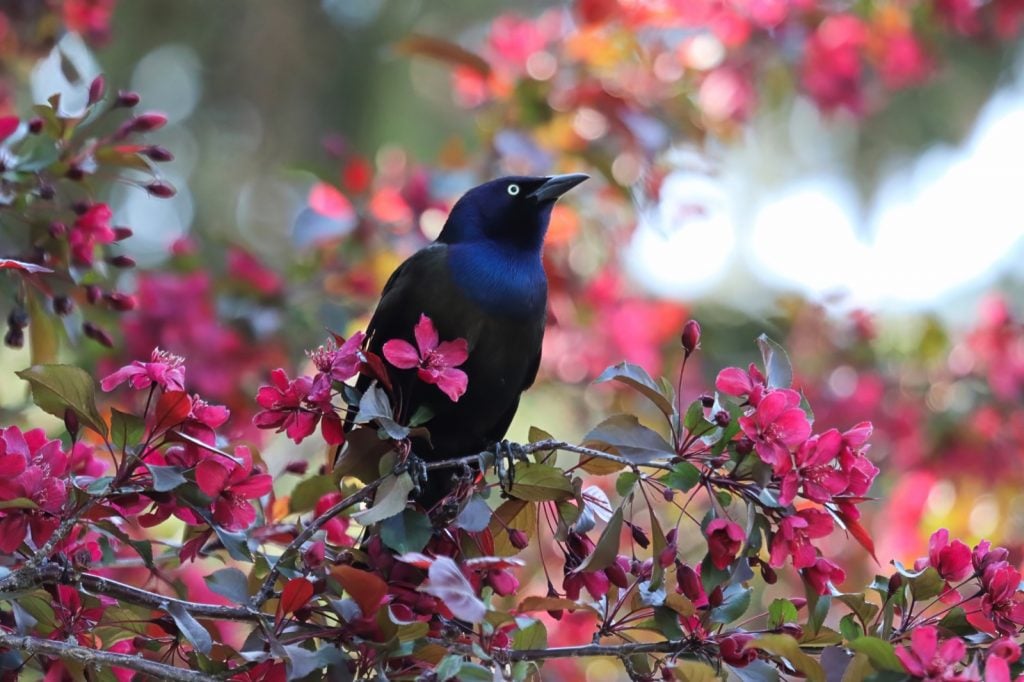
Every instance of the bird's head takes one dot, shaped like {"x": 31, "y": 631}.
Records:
{"x": 513, "y": 210}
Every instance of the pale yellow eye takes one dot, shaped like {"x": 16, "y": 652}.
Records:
{"x": 513, "y": 190}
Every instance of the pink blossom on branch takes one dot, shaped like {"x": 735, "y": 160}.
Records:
{"x": 164, "y": 369}
{"x": 777, "y": 425}
{"x": 231, "y": 485}
{"x": 724, "y": 540}
{"x": 435, "y": 361}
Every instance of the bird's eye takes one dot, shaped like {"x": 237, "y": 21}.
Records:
{"x": 513, "y": 189}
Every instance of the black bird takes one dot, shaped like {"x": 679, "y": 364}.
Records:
{"x": 482, "y": 280}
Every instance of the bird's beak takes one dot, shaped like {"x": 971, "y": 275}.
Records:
{"x": 557, "y": 185}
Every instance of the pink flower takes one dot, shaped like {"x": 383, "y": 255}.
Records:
{"x": 815, "y": 472}
{"x": 283, "y": 409}
{"x": 951, "y": 560}
{"x": 983, "y": 556}
{"x": 794, "y": 537}
{"x": 36, "y": 469}
{"x": 164, "y": 369}
{"x": 1003, "y": 602}
{"x": 244, "y": 267}
{"x": 734, "y": 381}
{"x": 821, "y": 573}
{"x": 231, "y": 485}
{"x": 926, "y": 659}
{"x": 335, "y": 364}
{"x": 724, "y": 540}
{"x": 904, "y": 61}
{"x": 777, "y": 425}
{"x": 435, "y": 362}
{"x": 832, "y": 67}
{"x": 335, "y": 528}
{"x": 91, "y": 228}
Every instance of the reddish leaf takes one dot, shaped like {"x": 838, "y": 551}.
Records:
{"x": 482, "y": 562}
{"x": 374, "y": 368}
{"x": 8, "y": 124}
{"x": 171, "y": 410}
{"x": 859, "y": 533}
{"x": 366, "y": 589}
{"x": 294, "y": 596}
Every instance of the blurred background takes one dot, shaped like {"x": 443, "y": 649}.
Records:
{"x": 841, "y": 175}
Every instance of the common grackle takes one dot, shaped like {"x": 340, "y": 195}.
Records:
{"x": 482, "y": 280}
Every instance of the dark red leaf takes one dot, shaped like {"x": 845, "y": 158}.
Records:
{"x": 859, "y": 533}
{"x": 294, "y": 596}
{"x": 171, "y": 410}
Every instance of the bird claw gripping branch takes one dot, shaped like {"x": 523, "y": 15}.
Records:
{"x": 505, "y": 455}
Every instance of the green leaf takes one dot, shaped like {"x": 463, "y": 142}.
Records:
{"x": 850, "y": 628}
{"x": 56, "y": 388}
{"x": 534, "y": 636}
{"x": 625, "y": 482}
{"x": 735, "y": 603}
{"x": 956, "y": 622}
{"x": 308, "y": 492}
{"x": 781, "y": 611}
{"x": 817, "y": 608}
{"x": 607, "y": 547}
{"x": 667, "y": 622}
{"x": 637, "y": 378}
{"x": 406, "y": 532}
{"x": 682, "y": 477}
{"x": 778, "y": 370}
{"x": 166, "y": 478}
{"x": 193, "y": 631}
{"x": 536, "y": 435}
{"x": 695, "y": 417}
{"x": 927, "y": 585}
{"x": 475, "y": 671}
{"x": 234, "y": 541}
{"x": 624, "y": 435}
{"x": 788, "y": 648}
{"x": 230, "y": 583}
{"x": 540, "y": 483}
{"x": 126, "y": 429}
{"x": 375, "y": 405}
{"x": 864, "y": 610}
{"x": 18, "y": 503}
{"x": 449, "y": 667}
{"x": 389, "y": 500}
{"x": 879, "y": 651}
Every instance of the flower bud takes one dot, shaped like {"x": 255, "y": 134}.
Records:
{"x": 161, "y": 189}
{"x": 93, "y": 293}
{"x": 97, "y": 89}
{"x": 769, "y": 574}
{"x": 62, "y": 305}
{"x": 15, "y": 338}
{"x": 744, "y": 446}
{"x": 74, "y": 172}
{"x": 122, "y": 233}
{"x": 46, "y": 191}
{"x": 147, "y": 123}
{"x": 97, "y": 334}
{"x": 80, "y": 207}
{"x": 518, "y": 538}
{"x": 722, "y": 418}
{"x": 139, "y": 642}
{"x": 707, "y": 401}
{"x": 313, "y": 556}
{"x": 158, "y": 153}
{"x": 35, "y": 125}
{"x": 120, "y": 302}
{"x": 639, "y": 536}
{"x": 691, "y": 336}
{"x": 122, "y": 261}
{"x": 668, "y": 494}
{"x": 297, "y": 467}
{"x": 71, "y": 422}
{"x": 127, "y": 99}
{"x": 716, "y": 597}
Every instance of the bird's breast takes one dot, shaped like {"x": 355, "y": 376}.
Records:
{"x": 503, "y": 282}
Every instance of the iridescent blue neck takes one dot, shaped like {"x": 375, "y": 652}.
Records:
{"x": 503, "y": 280}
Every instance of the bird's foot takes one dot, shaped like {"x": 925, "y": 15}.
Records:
{"x": 416, "y": 467}
{"x": 506, "y": 453}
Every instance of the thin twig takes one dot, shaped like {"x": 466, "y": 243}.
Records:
{"x": 95, "y": 657}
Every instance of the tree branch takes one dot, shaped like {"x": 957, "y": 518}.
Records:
{"x": 617, "y": 650}
{"x": 95, "y": 657}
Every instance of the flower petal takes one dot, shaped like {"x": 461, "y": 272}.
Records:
{"x": 211, "y": 477}
{"x": 426, "y": 335}
{"x": 401, "y": 354}
{"x": 453, "y": 383}
{"x": 453, "y": 353}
